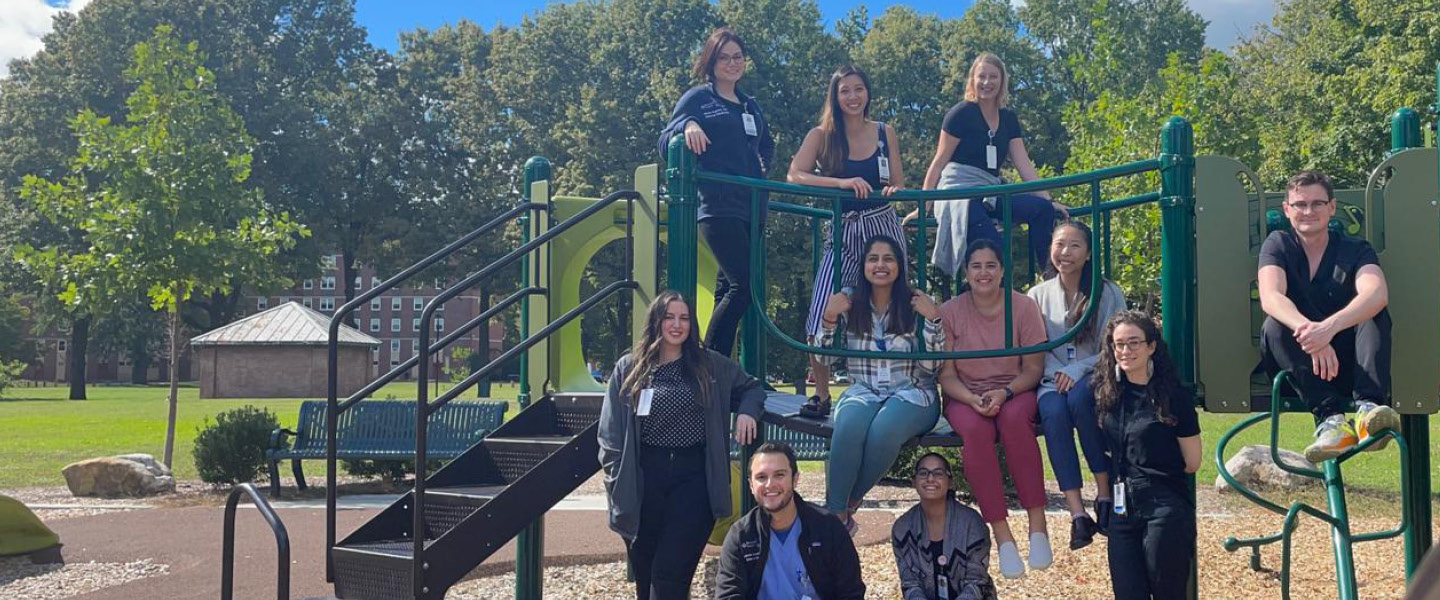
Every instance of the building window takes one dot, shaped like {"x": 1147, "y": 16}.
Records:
{"x": 374, "y": 325}
{"x": 262, "y": 303}
{"x": 397, "y": 302}
{"x": 439, "y": 284}
{"x": 414, "y": 324}
{"x": 394, "y": 353}
{"x": 375, "y": 355}
{"x": 328, "y": 261}
{"x": 328, "y": 283}
{"x": 309, "y": 303}
{"x": 419, "y": 303}
{"x": 60, "y": 345}
{"x": 359, "y": 283}
{"x": 327, "y": 303}
{"x": 375, "y": 304}
{"x": 309, "y": 284}
{"x": 374, "y": 282}
{"x": 440, "y": 324}
{"x": 395, "y": 326}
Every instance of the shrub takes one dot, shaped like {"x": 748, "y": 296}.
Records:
{"x": 233, "y": 449}
{"x": 9, "y": 372}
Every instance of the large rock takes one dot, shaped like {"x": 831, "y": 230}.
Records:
{"x": 1253, "y": 467}
{"x": 128, "y": 476}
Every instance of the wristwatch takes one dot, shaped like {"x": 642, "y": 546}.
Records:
{"x": 1009, "y": 393}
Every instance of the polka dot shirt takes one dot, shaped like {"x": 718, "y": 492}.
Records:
{"x": 676, "y": 419}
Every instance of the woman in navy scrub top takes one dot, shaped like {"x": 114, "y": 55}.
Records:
{"x": 727, "y": 130}
{"x": 1153, "y": 437}
{"x": 847, "y": 150}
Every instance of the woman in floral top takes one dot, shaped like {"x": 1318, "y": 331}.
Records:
{"x": 889, "y": 400}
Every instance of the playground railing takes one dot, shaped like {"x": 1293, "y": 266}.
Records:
{"x": 282, "y": 543}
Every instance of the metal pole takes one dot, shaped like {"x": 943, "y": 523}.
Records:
{"x": 1177, "y": 256}
{"x": 530, "y": 544}
{"x": 1340, "y": 531}
{"x": 682, "y": 205}
{"x": 1405, "y": 133}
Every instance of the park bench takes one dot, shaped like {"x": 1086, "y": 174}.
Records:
{"x": 381, "y": 430}
{"x": 810, "y": 436}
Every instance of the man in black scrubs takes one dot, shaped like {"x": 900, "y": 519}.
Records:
{"x": 1324, "y": 296}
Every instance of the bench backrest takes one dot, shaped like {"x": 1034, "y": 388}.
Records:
{"x": 807, "y": 446}
{"x": 390, "y": 425}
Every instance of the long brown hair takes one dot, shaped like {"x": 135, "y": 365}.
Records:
{"x": 835, "y": 146}
{"x": 902, "y": 315}
{"x": 646, "y": 354}
{"x": 1164, "y": 384}
{"x": 704, "y": 70}
{"x": 988, "y": 58}
{"x": 1082, "y": 298}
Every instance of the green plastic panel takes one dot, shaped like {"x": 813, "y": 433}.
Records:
{"x": 1407, "y": 233}
{"x": 1227, "y": 232}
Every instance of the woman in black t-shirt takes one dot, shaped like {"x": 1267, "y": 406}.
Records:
{"x": 847, "y": 150}
{"x": 1153, "y": 436}
{"x": 975, "y": 139}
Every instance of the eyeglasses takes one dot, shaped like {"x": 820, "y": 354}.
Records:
{"x": 1130, "y": 345}
{"x": 931, "y": 473}
{"x": 731, "y": 58}
{"x": 1312, "y": 205}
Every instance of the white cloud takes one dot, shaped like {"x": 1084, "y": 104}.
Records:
{"x": 23, "y": 23}
{"x": 1231, "y": 20}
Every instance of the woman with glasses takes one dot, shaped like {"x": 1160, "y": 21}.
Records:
{"x": 941, "y": 546}
{"x": 994, "y": 398}
{"x": 727, "y": 130}
{"x": 1153, "y": 436}
{"x": 849, "y": 151}
{"x": 889, "y": 401}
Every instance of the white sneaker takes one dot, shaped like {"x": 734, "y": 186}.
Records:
{"x": 1011, "y": 567}
{"x": 1041, "y": 556}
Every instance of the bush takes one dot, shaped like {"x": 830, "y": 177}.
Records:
{"x": 396, "y": 470}
{"x": 233, "y": 449}
{"x": 9, "y": 372}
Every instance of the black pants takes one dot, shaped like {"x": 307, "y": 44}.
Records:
{"x": 1364, "y": 354}
{"x": 675, "y": 522}
{"x": 1151, "y": 547}
{"x": 729, "y": 241}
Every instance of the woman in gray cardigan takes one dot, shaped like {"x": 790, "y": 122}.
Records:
{"x": 941, "y": 544}
{"x": 663, "y": 446}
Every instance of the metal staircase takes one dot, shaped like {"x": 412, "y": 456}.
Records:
{"x": 475, "y": 504}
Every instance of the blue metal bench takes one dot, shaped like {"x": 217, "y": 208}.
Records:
{"x": 381, "y": 430}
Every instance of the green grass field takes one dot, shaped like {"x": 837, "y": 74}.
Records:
{"x": 41, "y": 432}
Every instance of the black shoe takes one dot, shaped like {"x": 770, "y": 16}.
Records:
{"x": 1103, "y": 509}
{"x": 1082, "y": 532}
{"x": 814, "y": 407}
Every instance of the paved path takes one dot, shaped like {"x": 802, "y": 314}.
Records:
{"x": 189, "y": 541}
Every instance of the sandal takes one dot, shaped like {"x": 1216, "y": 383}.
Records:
{"x": 815, "y": 407}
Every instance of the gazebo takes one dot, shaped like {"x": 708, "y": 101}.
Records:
{"x": 279, "y": 353}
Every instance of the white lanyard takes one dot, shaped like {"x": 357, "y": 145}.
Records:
{"x": 884, "y": 158}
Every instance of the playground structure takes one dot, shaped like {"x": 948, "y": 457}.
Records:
{"x": 1212, "y": 226}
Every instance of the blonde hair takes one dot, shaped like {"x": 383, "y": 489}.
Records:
{"x": 988, "y": 58}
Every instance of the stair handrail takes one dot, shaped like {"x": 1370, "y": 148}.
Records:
{"x": 333, "y": 407}
{"x": 424, "y": 408}
{"x": 282, "y": 542}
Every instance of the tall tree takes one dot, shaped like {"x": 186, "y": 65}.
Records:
{"x": 162, "y": 199}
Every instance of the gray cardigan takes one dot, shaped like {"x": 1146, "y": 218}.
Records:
{"x": 967, "y": 543}
{"x": 731, "y": 390}
{"x": 1051, "y": 298}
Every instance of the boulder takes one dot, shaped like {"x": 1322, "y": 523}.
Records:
{"x": 150, "y": 463}
{"x": 1253, "y": 467}
{"x": 117, "y": 477}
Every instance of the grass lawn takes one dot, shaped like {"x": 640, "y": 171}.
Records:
{"x": 41, "y": 431}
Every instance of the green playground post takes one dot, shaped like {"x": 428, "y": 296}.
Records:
{"x": 1405, "y": 133}
{"x": 681, "y": 205}
{"x": 530, "y": 544}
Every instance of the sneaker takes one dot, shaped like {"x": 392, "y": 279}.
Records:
{"x": 1333, "y": 437}
{"x": 1041, "y": 557}
{"x": 1371, "y": 419}
{"x": 1082, "y": 532}
{"x": 1011, "y": 567}
{"x": 815, "y": 408}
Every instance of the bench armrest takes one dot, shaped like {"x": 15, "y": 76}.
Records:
{"x": 277, "y": 438}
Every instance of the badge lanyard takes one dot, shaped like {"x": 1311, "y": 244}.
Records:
{"x": 942, "y": 581}
{"x": 1123, "y": 460}
{"x": 884, "y": 158}
{"x": 992, "y": 154}
{"x": 882, "y": 368}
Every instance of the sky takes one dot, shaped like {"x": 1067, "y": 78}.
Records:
{"x": 23, "y": 22}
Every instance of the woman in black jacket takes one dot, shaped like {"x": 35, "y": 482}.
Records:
{"x": 663, "y": 446}
{"x": 726, "y": 128}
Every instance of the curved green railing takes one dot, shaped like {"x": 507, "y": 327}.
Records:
{"x": 1338, "y": 518}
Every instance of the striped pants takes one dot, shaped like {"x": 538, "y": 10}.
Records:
{"x": 860, "y": 226}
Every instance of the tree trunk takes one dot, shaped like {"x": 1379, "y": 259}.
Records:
{"x": 75, "y": 356}
{"x": 174, "y": 379}
{"x": 140, "y": 359}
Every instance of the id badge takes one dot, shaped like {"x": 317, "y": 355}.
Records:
{"x": 992, "y": 157}
{"x": 750, "y": 128}
{"x": 647, "y": 396}
{"x": 1069, "y": 352}
{"x": 882, "y": 374}
{"x": 884, "y": 169}
{"x": 942, "y": 586}
{"x": 1119, "y": 498}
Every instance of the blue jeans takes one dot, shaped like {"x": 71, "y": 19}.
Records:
{"x": 1030, "y": 209}
{"x": 1062, "y": 416}
{"x": 865, "y": 442}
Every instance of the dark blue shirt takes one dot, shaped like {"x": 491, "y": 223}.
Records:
{"x": 869, "y": 170}
{"x": 731, "y": 150}
{"x": 966, "y": 121}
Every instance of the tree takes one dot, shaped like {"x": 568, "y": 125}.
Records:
{"x": 162, "y": 199}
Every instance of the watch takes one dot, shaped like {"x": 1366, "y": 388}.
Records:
{"x": 1009, "y": 393}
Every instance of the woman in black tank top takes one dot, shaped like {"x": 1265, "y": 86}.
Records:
{"x": 847, "y": 150}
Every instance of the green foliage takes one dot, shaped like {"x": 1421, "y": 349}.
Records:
{"x": 233, "y": 449}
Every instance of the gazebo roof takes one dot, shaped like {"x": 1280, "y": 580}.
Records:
{"x": 288, "y": 324}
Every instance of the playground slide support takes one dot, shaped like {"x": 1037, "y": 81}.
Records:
{"x": 530, "y": 544}
{"x": 1404, "y": 134}
{"x": 682, "y": 206}
{"x": 1178, "y": 271}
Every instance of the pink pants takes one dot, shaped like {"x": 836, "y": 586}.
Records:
{"x": 1016, "y": 426}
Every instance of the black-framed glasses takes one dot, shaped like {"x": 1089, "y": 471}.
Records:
{"x": 931, "y": 473}
{"x": 1311, "y": 205}
{"x": 1130, "y": 345}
